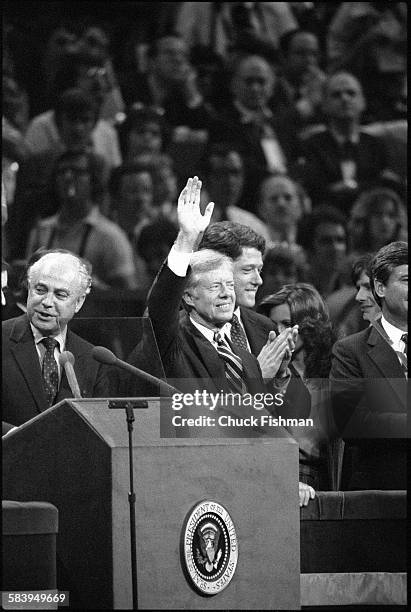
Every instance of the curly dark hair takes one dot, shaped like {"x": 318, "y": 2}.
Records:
{"x": 308, "y": 309}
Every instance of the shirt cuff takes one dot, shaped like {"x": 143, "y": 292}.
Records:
{"x": 178, "y": 262}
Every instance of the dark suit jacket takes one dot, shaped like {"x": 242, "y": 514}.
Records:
{"x": 368, "y": 389}
{"x": 229, "y": 127}
{"x": 257, "y": 327}
{"x": 23, "y": 396}
{"x": 320, "y": 159}
{"x": 188, "y": 357}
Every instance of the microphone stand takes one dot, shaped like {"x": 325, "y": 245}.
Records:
{"x": 129, "y": 406}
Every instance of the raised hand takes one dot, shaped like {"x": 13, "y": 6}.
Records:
{"x": 190, "y": 219}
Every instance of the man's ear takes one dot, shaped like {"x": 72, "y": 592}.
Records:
{"x": 188, "y": 299}
{"x": 80, "y": 302}
{"x": 379, "y": 288}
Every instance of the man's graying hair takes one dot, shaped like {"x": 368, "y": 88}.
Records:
{"x": 83, "y": 266}
{"x": 205, "y": 261}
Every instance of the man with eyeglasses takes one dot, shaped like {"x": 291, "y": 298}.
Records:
{"x": 79, "y": 182}
{"x": 340, "y": 160}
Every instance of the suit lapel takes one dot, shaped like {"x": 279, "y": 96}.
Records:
{"x": 25, "y": 354}
{"x": 256, "y": 335}
{"x": 385, "y": 359}
{"x": 205, "y": 352}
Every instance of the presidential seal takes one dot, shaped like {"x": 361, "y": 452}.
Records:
{"x": 209, "y": 547}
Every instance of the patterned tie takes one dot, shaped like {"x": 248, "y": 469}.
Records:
{"x": 50, "y": 370}
{"x": 232, "y": 364}
{"x": 238, "y": 337}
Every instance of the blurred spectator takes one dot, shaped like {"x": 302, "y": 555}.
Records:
{"x": 323, "y": 235}
{"x": 377, "y": 218}
{"x": 301, "y": 80}
{"x": 131, "y": 190}
{"x": 170, "y": 83}
{"x": 211, "y": 75}
{"x": 79, "y": 182}
{"x": 310, "y": 365}
{"x": 266, "y": 143}
{"x": 95, "y": 44}
{"x": 143, "y": 132}
{"x": 224, "y": 183}
{"x": 253, "y": 27}
{"x": 154, "y": 243}
{"x": 341, "y": 159}
{"x": 82, "y": 72}
{"x": 62, "y": 42}
{"x": 281, "y": 206}
{"x": 15, "y": 113}
{"x": 370, "y": 40}
{"x": 75, "y": 118}
{"x": 281, "y": 267}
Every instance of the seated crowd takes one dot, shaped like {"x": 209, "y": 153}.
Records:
{"x": 288, "y": 132}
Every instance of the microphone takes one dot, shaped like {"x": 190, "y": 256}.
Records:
{"x": 66, "y": 360}
{"x": 104, "y": 355}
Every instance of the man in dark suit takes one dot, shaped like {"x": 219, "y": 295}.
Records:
{"x": 186, "y": 340}
{"x": 33, "y": 378}
{"x": 256, "y": 332}
{"x": 340, "y": 160}
{"x": 369, "y": 380}
{"x": 266, "y": 143}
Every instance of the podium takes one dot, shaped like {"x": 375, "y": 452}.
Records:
{"x": 75, "y": 456}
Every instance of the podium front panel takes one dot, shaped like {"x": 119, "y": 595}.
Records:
{"x": 75, "y": 455}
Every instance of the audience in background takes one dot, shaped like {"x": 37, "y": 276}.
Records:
{"x": 341, "y": 159}
{"x": 224, "y": 180}
{"x": 377, "y": 218}
{"x": 281, "y": 205}
{"x": 79, "y": 183}
{"x": 370, "y": 40}
{"x": 169, "y": 83}
{"x": 301, "y": 80}
{"x": 131, "y": 198}
{"x": 75, "y": 118}
{"x": 253, "y": 27}
{"x": 282, "y": 266}
{"x": 266, "y": 143}
{"x": 323, "y": 235}
{"x": 88, "y": 74}
{"x": 142, "y": 132}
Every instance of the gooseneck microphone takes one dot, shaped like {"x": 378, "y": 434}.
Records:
{"x": 66, "y": 359}
{"x": 104, "y": 355}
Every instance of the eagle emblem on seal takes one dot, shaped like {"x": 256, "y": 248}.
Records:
{"x": 210, "y": 554}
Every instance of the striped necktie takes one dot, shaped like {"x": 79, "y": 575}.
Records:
{"x": 50, "y": 370}
{"x": 232, "y": 364}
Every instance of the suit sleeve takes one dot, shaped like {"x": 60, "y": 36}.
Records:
{"x": 163, "y": 305}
